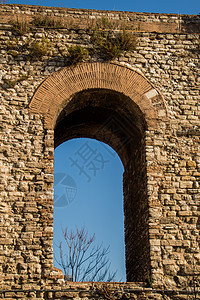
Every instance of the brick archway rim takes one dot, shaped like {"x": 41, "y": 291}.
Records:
{"x": 53, "y": 91}
{"x": 132, "y": 68}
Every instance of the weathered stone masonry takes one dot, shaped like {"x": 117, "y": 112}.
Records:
{"x": 154, "y": 92}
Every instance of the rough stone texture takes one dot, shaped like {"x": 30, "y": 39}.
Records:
{"x": 82, "y": 18}
{"x": 100, "y": 291}
{"x": 152, "y": 96}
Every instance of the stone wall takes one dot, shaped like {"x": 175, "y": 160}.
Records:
{"x": 82, "y": 18}
{"x": 110, "y": 291}
{"x": 161, "y": 181}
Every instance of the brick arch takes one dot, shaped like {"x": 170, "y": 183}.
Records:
{"x": 55, "y": 91}
{"x": 76, "y": 101}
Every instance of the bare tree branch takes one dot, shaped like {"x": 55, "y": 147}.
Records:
{"x": 82, "y": 260}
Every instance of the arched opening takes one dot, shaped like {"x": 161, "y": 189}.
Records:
{"x": 114, "y": 119}
{"x": 115, "y": 104}
{"x": 95, "y": 205}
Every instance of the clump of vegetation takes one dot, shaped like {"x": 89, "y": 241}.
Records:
{"x": 77, "y": 54}
{"x": 32, "y": 49}
{"x": 108, "y": 48}
{"x": 105, "y": 23}
{"x": 47, "y": 21}
{"x": 13, "y": 52}
{"x": 111, "y": 46}
{"x": 108, "y": 44}
{"x": 11, "y": 83}
{"x": 16, "y": 47}
{"x": 20, "y": 27}
{"x": 149, "y": 281}
{"x": 38, "y": 49}
{"x": 12, "y": 44}
{"x": 127, "y": 40}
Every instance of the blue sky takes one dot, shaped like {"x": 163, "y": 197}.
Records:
{"x": 92, "y": 198}
{"x": 170, "y": 6}
{"x": 98, "y": 203}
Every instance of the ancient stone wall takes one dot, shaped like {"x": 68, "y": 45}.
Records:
{"x": 82, "y": 18}
{"x": 153, "y": 88}
{"x": 91, "y": 290}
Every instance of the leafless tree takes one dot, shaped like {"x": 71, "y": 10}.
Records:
{"x": 81, "y": 260}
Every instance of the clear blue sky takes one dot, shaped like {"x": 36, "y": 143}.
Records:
{"x": 92, "y": 198}
{"x": 98, "y": 204}
{"x": 170, "y": 6}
